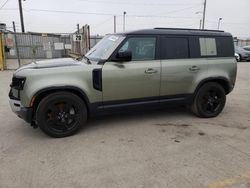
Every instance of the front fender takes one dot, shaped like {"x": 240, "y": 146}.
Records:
{"x": 38, "y": 81}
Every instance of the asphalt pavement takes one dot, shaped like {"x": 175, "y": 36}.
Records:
{"x": 162, "y": 148}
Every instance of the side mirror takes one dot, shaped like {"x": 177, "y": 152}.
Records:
{"x": 124, "y": 56}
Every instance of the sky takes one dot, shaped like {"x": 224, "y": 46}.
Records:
{"x": 62, "y": 16}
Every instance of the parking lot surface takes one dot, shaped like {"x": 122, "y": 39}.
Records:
{"x": 163, "y": 148}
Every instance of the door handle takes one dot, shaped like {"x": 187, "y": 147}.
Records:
{"x": 150, "y": 71}
{"x": 194, "y": 69}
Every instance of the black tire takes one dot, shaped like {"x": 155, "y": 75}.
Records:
{"x": 61, "y": 114}
{"x": 209, "y": 100}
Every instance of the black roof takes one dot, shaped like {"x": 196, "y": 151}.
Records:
{"x": 177, "y": 31}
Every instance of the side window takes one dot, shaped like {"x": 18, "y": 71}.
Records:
{"x": 225, "y": 46}
{"x": 142, "y": 48}
{"x": 208, "y": 47}
{"x": 194, "y": 47}
{"x": 174, "y": 48}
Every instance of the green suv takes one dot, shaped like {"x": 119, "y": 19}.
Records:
{"x": 127, "y": 71}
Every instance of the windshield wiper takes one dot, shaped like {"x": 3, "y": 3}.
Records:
{"x": 85, "y": 57}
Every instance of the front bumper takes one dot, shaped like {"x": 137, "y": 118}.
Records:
{"x": 246, "y": 58}
{"x": 22, "y": 112}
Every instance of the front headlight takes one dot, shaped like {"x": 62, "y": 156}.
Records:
{"x": 18, "y": 83}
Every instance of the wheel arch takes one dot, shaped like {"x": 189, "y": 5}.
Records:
{"x": 39, "y": 95}
{"x": 224, "y": 82}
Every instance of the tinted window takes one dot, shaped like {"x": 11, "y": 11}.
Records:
{"x": 142, "y": 48}
{"x": 174, "y": 48}
{"x": 194, "y": 47}
{"x": 225, "y": 46}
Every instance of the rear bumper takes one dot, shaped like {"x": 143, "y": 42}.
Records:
{"x": 22, "y": 112}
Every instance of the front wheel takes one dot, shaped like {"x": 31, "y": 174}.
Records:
{"x": 61, "y": 114}
{"x": 209, "y": 100}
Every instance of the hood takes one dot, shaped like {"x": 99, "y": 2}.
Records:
{"x": 60, "y": 62}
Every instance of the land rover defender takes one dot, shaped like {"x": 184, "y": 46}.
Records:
{"x": 148, "y": 68}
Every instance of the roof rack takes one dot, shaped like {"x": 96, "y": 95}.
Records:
{"x": 189, "y": 29}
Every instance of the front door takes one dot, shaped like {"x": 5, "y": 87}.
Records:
{"x": 137, "y": 80}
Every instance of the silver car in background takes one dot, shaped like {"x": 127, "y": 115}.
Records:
{"x": 244, "y": 55}
{"x": 246, "y": 48}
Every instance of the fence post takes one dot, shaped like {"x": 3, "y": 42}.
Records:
{"x": 1, "y": 52}
{"x": 17, "y": 50}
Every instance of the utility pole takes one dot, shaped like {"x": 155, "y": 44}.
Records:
{"x": 17, "y": 51}
{"x": 204, "y": 14}
{"x": 21, "y": 15}
{"x": 219, "y": 20}
{"x": 124, "y": 13}
{"x": 114, "y": 24}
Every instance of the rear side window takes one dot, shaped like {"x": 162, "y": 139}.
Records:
{"x": 196, "y": 47}
{"x": 225, "y": 46}
{"x": 211, "y": 47}
{"x": 174, "y": 48}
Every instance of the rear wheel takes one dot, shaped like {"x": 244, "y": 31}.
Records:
{"x": 209, "y": 100}
{"x": 61, "y": 114}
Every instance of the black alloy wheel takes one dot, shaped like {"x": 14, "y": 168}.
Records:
{"x": 61, "y": 114}
{"x": 209, "y": 100}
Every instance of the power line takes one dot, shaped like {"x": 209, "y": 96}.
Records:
{"x": 112, "y": 14}
{"x": 10, "y": 9}
{"x": 102, "y": 22}
{"x": 135, "y": 3}
{"x": 178, "y": 10}
{"x": 70, "y": 12}
{"x": 103, "y": 14}
{"x": 4, "y": 4}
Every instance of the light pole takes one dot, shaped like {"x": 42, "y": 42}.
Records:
{"x": 204, "y": 14}
{"x": 219, "y": 20}
{"x": 114, "y": 24}
{"x": 21, "y": 15}
{"x": 200, "y": 23}
{"x": 124, "y": 13}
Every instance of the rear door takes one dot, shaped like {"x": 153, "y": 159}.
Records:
{"x": 137, "y": 80}
{"x": 181, "y": 65}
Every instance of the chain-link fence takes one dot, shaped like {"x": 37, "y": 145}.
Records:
{"x": 43, "y": 46}
{"x": 35, "y": 45}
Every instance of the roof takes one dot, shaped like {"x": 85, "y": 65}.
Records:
{"x": 177, "y": 31}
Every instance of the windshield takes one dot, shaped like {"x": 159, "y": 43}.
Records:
{"x": 105, "y": 47}
{"x": 238, "y": 49}
{"x": 246, "y": 48}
